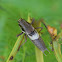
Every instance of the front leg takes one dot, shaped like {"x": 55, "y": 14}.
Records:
{"x": 20, "y": 34}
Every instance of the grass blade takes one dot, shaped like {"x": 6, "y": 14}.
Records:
{"x": 15, "y": 48}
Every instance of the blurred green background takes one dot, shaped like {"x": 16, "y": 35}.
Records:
{"x": 11, "y": 11}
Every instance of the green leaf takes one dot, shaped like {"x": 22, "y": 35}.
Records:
{"x": 12, "y": 10}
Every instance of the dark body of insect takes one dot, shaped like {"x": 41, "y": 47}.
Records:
{"x": 30, "y": 31}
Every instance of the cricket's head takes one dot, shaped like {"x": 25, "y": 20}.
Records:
{"x": 25, "y": 26}
{"x": 20, "y": 24}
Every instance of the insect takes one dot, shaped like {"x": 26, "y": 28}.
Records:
{"x": 53, "y": 33}
{"x": 31, "y": 32}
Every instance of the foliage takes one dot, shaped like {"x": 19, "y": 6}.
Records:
{"x": 11, "y": 11}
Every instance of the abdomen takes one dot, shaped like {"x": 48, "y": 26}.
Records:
{"x": 40, "y": 44}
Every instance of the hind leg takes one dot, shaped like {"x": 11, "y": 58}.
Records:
{"x": 24, "y": 42}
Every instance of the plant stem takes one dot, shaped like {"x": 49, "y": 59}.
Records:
{"x": 57, "y": 48}
{"x": 24, "y": 53}
{"x": 57, "y": 51}
{"x": 39, "y": 55}
{"x": 15, "y": 48}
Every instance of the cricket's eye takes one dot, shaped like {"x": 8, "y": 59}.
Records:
{"x": 21, "y": 28}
